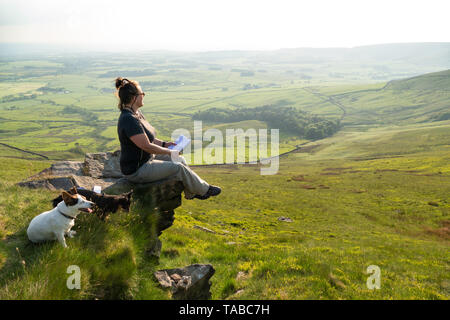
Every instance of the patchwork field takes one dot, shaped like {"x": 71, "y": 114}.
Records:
{"x": 63, "y": 107}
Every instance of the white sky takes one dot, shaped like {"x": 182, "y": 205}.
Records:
{"x": 201, "y": 25}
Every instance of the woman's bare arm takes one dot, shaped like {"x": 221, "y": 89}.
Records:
{"x": 141, "y": 141}
{"x": 157, "y": 142}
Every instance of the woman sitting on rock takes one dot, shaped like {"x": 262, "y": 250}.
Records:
{"x": 144, "y": 158}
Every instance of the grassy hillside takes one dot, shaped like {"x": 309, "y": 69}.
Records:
{"x": 419, "y": 99}
{"x": 437, "y": 81}
{"x": 349, "y": 210}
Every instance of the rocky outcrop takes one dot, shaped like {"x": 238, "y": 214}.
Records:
{"x": 191, "y": 282}
{"x": 98, "y": 169}
{"x": 102, "y": 165}
{"x": 155, "y": 202}
{"x": 51, "y": 183}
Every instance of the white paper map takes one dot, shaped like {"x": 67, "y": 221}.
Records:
{"x": 181, "y": 142}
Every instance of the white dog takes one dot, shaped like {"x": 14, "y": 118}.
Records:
{"x": 56, "y": 223}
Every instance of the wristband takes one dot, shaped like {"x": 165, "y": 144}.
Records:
{"x": 163, "y": 144}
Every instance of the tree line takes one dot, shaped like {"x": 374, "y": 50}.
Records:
{"x": 298, "y": 122}
{"x": 84, "y": 113}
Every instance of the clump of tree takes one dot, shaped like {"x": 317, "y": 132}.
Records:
{"x": 51, "y": 90}
{"x": 85, "y": 114}
{"x": 18, "y": 97}
{"x": 441, "y": 116}
{"x": 299, "y": 122}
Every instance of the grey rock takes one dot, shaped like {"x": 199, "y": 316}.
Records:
{"x": 62, "y": 183}
{"x": 119, "y": 186}
{"x": 184, "y": 283}
{"x": 204, "y": 229}
{"x": 65, "y": 168}
{"x": 89, "y": 182}
{"x": 57, "y": 183}
{"x": 101, "y": 169}
{"x": 193, "y": 285}
{"x": 164, "y": 280}
{"x": 284, "y": 219}
{"x": 176, "y": 277}
{"x": 103, "y": 165}
{"x": 153, "y": 192}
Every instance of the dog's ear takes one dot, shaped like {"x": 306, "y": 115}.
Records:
{"x": 73, "y": 190}
{"x": 69, "y": 199}
{"x": 129, "y": 194}
{"x": 56, "y": 201}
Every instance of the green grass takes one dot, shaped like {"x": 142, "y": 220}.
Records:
{"x": 347, "y": 214}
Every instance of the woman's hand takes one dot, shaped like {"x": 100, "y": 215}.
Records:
{"x": 175, "y": 156}
{"x": 168, "y": 144}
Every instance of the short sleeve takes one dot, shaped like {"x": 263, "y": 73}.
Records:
{"x": 131, "y": 126}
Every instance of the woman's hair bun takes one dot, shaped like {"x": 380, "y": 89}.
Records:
{"x": 130, "y": 90}
{"x": 120, "y": 82}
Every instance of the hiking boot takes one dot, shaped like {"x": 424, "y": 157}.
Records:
{"x": 212, "y": 191}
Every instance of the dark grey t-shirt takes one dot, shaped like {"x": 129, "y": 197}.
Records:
{"x": 131, "y": 156}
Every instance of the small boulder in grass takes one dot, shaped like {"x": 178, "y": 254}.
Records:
{"x": 204, "y": 229}
{"x": 164, "y": 280}
{"x": 191, "y": 282}
{"x": 285, "y": 219}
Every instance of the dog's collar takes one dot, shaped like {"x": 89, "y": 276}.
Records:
{"x": 65, "y": 215}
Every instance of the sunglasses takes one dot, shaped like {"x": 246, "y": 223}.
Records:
{"x": 143, "y": 94}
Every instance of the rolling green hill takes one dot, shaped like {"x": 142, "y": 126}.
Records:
{"x": 424, "y": 98}
{"x": 436, "y": 81}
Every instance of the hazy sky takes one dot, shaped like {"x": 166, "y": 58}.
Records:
{"x": 223, "y": 25}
